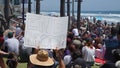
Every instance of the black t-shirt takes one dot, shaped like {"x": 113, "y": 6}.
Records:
{"x": 11, "y": 63}
{"x": 118, "y": 31}
{"x": 76, "y": 54}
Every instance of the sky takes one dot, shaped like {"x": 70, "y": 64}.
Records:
{"x": 87, "y": 5}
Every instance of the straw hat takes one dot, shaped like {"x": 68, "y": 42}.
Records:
{"x": 41, "y": 59}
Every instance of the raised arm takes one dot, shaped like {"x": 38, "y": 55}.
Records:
{"x": 60, "y": 60}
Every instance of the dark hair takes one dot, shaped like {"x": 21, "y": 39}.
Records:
{"x": 108, "y": 65}
{"x": 76, "y": 54}
{"x": 1, "y": 33}
{"x": 113, "y": 31}
{"x": 116, "y": 53}
{"x": 12, "y": 61}
{"x": 11, "y": 55}
{"x": 89, "y": 40}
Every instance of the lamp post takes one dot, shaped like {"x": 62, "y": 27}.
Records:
{"x": 23, "y": 11}
{"x": 78, "y": 13}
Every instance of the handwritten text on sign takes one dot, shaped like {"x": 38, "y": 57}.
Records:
{"x": 45, "y": 31}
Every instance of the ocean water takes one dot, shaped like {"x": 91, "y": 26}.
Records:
{"x": 109, "y": 16}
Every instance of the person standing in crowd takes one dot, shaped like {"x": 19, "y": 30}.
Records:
{"x": 118, "y": 34}
{"x": 13, "y": 26}
{"x": 1, "y": 39}
{"x": 75, "y": 31}
{"x": 75, "y": 57}
{"x": 12, "y": 44}
{"x": 18, "y": 31}
{"x": 24, "y": 52}
{"x": 2, "y": 64}
{"x": 88, "y": 52}
{"x": 12, "y": 61}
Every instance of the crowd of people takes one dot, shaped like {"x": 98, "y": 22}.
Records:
{"x": 91, "y": 41}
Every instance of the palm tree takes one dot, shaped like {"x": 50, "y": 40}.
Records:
{"x": 7, "y": 11}
{"x": 23, "y": 11}
{"x": 37, "y": 6}
{"x": 29, "y": 5}
{"x": 78, "y": 13}
{"x": 73, "y": 8}
{"x": 62, "y": 8}
{"x": 68, "y": 13}
{"x": 68, "y": 7}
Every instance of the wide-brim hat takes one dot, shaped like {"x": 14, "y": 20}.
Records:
{"x": 41, "y": 59}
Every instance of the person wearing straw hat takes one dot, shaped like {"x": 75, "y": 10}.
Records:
{"x": 42, "y": 60}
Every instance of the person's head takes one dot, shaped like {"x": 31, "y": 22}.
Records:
{"x": 77, "y": 43}
{"x": 41, "y": 59}
{"x": 108, "y": 65}
{"x": 74, "y": 26}
{"x": 12, "y": 61}
{"x": 14, "y": 24}
{"x": 10, "y": 34}
{"x": 116, "y": 53}
{"x": 69, "y": 41}
{"x": 11, "y": 55}
{"x": 89, "y": 41}
{"x": 117, "y": 64}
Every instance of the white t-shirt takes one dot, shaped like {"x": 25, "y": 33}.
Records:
{"x": 67, "y": 59}
{"x": 88, "y": 53}
{"x": 75, "y": 32}
{"x": 12, "y": 45}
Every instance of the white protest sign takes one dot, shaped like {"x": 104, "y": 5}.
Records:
{"x": 45, "y": 32}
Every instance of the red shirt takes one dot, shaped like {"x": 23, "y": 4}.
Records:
{"x": 1, "y": 40}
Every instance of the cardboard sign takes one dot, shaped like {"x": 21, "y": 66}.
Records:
{"x": 45, "y": 32}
